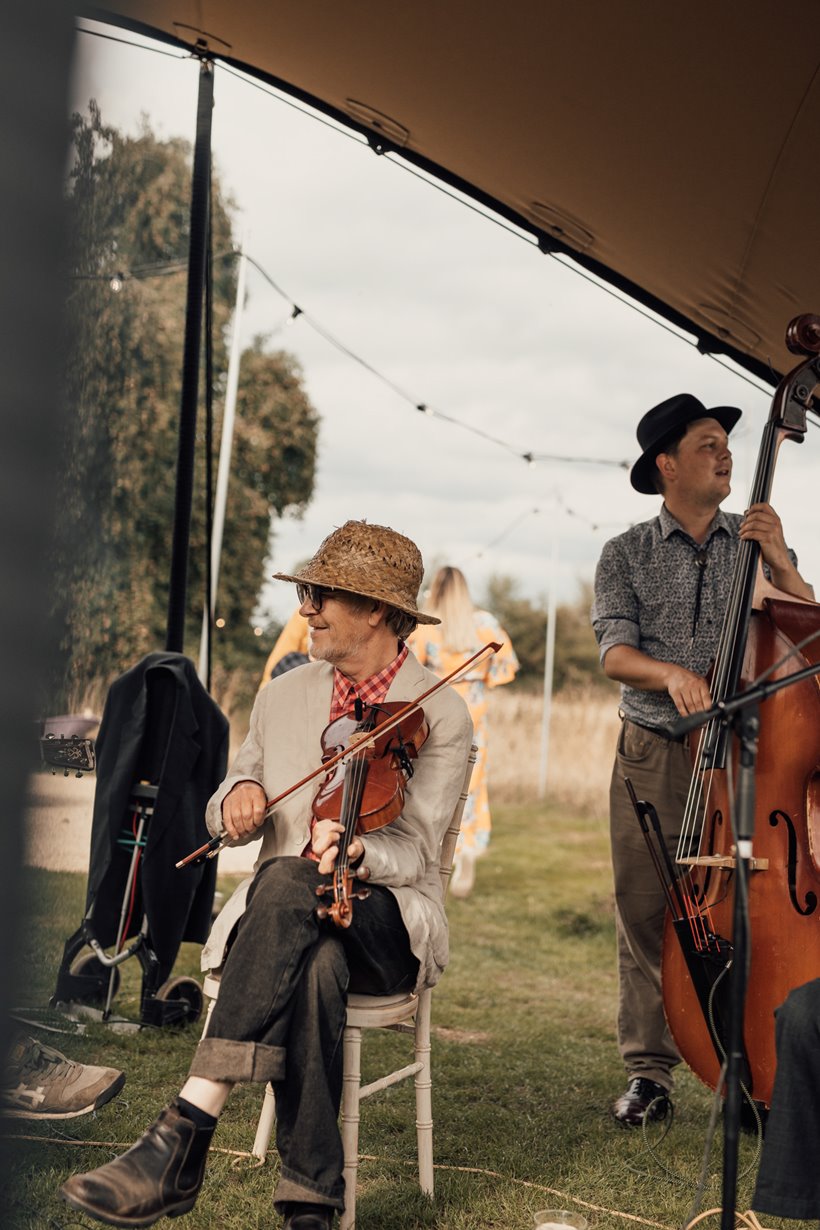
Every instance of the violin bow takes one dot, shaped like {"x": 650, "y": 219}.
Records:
{"x": 212, "y": 847}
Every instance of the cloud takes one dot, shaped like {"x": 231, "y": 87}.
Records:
{"x": 463, "y": 316}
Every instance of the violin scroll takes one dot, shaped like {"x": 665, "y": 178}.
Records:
{"x": 341, "y": 908}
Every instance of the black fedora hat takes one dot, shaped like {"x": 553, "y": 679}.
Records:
{"x": 662, "y": 423}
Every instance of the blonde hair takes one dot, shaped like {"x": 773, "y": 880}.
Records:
{"x": 449, "y": 599}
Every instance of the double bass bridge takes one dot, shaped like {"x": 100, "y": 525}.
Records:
{"x": 723, "y": 862}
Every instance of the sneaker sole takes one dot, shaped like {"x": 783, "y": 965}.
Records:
{"x": 106, "y": 1096}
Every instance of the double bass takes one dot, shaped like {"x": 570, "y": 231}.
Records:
{"x": 766, "y": 633}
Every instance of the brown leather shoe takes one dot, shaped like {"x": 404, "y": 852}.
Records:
{"x": 159, "y": 1176}
{"x": 643, "y": 1100}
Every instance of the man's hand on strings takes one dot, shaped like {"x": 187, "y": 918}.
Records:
{"x": 689, "y": 691}
{"x": 325, "y": 845}
{"x": 762, "y": 524}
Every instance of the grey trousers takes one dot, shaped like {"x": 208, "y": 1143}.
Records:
{"x": 281, "y": 1012}
{"x": 788, "y": 1182}
{"x": 660, "y": 770}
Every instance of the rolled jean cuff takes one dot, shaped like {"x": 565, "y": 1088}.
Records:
{"x": 294, "y": 1188}
{"x": 223, "y": 1059}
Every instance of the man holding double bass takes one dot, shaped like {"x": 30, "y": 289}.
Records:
{"x": 282, "y": 1001}
{"x": 661, "y": 592}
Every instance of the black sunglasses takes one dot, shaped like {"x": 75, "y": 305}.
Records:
{"x": 314, "y": 594}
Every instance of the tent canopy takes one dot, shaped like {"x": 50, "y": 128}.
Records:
{"x": 670, "y": 149}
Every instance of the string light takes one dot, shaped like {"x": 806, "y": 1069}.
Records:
{"x": 163, "y": 269}
{"x": 421, "y": 406}
{"x": 500, "y": 537}
{"x": 296, "y": 312}
{"x": 595, "y": 526}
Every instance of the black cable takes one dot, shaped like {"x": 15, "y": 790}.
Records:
{"x": 112, "y": 38}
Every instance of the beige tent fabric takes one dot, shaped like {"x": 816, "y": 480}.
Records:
{"x": 670, "y": 147}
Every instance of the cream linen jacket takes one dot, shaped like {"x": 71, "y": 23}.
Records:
{"x": 284, "y": 744}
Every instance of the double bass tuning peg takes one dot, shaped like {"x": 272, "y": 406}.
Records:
{"x": 803, "y": 334}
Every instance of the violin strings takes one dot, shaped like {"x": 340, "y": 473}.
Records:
{"x": 352, "y": 792}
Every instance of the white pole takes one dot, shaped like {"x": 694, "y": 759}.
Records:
{"x": 226, "y": 446}
{"x": 549, "y": 659}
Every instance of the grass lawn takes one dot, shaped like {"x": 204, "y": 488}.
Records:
{"x": 524, "y": 1069}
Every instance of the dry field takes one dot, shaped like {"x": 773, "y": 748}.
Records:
{"x": 583, "y": 730}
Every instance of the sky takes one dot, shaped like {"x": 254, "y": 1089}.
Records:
{"x": 461, "y": 314}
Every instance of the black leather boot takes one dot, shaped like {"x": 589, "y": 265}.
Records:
{"x": 159, "y": 1176}
{"x": 308, "y": 1217}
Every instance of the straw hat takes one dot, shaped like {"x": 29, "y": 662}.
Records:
{"x": 371, "y": 560}
{"x": 660, "y": 424}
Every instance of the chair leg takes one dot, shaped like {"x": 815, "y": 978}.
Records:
{"x": 351, "y": 1083}
{"x": 424, "y": 1099}
{"x": 264, "y": 1128}
{"x": 208, "y": 1015}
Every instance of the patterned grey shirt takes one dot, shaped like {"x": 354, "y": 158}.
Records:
{"x": 646, "y": 586}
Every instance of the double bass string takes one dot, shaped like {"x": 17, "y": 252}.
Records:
{"x": 727, "y": 659}
{"x": 700, "y": 786}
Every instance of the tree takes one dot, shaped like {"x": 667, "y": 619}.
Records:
{"x": 576, "y": 651}
{"x": 524, "y": 623}
{"x": 128, "y": 201}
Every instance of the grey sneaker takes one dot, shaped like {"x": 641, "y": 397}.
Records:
{"x": 40, "y": 1083}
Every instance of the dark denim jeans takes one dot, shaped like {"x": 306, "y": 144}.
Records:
{"x": 281, "y": 1009}
{"x": 788, "y": 1181}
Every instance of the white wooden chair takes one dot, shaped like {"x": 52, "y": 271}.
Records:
{"x": 405, "y": 1013}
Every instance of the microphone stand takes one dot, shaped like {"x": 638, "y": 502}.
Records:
{"x": 746, "y": 726}
{"x": 742, "y": 714}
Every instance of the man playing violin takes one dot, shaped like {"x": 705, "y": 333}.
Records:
{"x": 661, "y": 591}
{"x": 285, "y": 970}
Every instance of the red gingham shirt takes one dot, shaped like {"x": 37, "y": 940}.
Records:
{"x": 371, "y": 691}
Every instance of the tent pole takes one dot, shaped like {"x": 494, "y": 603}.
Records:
{"x": 223, "y": 473}
{"x": 549, "y": 662}
{"x": 197, "y": 257}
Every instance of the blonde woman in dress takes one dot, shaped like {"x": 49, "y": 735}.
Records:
{"x": 464, "y": 628}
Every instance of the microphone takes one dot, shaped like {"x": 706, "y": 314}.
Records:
{"x": 683, "y": 725}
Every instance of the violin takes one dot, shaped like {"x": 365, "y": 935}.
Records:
{"x": 212, "y": 847}
{"x": 365, "y": 791}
